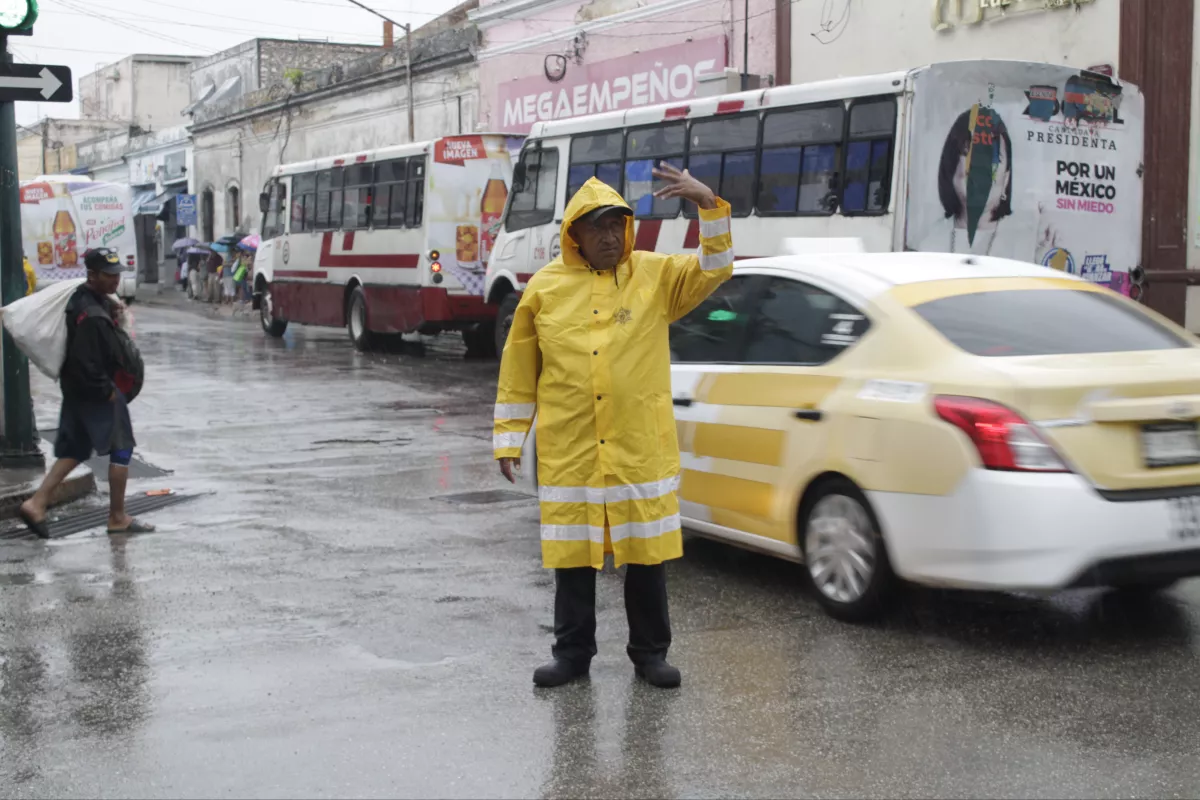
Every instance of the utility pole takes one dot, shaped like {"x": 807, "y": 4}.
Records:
{"x": 746, "y": 46}
{"x": 34, "y": 83}
{"x": 407, "y": 58}
{"x": 18, "y": 445}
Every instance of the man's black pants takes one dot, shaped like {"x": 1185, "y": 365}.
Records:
{"x": 645, "y": 607}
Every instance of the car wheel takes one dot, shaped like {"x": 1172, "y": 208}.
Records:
{"x": 844, "y": 552}
{"x": 356, "y": 320}
{"x": 266, "y": 315}
{"x": 504, "y": 319}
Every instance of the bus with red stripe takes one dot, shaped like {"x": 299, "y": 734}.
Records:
{"x": 980, "y": 157}
{"x": 389, "y": 241}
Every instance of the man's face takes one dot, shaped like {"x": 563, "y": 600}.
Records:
{"x": 601, "y": 241}
{"x": 104, "y": 282}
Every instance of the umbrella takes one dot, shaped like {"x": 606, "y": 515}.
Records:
{"x": 251, "y": 242}
{"x": 220, "y": 247}
{"x": 231, "y": 239}
{"x": 198, "y": 250}
{"x": 185, "y": 242}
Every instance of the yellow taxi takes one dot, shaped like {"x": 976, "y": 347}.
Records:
{"x": 944, "y": 420}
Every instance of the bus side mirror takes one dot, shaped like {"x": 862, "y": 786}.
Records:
{"x": 264, "y": 202}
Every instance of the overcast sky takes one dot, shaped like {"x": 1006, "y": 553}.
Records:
{"x": 79, "y": 34}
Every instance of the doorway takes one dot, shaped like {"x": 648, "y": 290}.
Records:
{"x": 1156, "y": 54}
{"x": 206, "y": 215}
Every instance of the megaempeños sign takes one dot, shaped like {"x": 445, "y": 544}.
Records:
{"x": 641, "y": 79}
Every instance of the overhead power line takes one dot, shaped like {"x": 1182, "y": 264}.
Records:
{"x": 164, "y": 37}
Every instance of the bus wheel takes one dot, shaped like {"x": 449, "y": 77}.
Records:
{"x": 266, "y": 315}
{"x": 504, "y": 318}
{"x": 356, "y": 320}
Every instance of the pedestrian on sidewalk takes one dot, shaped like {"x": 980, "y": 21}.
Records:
{"x": 588, "y": 351}
{"x": 95, "y": 380}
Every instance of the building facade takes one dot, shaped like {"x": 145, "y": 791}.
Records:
{"x": 50, "y": 146}
{"x": 141, "y": 91}
{"x": 351, "y": 105}
{"x": 1149, "y": 44}
{"x": 552, "y": 59}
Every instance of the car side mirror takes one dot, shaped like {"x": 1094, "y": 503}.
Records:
{"x": 264, "y": 202}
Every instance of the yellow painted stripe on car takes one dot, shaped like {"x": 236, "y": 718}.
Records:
{"x": 794, "y": 389}
{"x": 722, "y": 491}
{"x": 914, "y": 294}
{"x": 736, "y": 443}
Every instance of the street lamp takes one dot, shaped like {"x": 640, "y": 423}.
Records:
{"x": 17, "y": 15}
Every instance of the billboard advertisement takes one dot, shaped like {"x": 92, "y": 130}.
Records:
{"x": 61, "y": 221}
{"x": 468, "y": 187}
{"x": 661, "y": 75}
{"x": 1033, "y": 162}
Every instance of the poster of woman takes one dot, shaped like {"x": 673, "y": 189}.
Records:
{"x": 1029, "y": 162}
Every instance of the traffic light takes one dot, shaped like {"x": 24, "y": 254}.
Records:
{"x": 17, "y": 15}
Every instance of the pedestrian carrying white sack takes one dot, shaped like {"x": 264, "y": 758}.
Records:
{"x": 38, "y": 325}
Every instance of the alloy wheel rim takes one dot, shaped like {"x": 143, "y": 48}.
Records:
{"x": 840, "y": 549}
{"x": 264, "y": 308}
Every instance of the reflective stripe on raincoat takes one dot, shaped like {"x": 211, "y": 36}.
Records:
{"x": 588, "y": 352}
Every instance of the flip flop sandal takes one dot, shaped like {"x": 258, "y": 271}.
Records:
{"x": 39, "y": 527}
{"x": 134, "y": 527}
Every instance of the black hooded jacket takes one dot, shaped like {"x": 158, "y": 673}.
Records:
{"x": 93, "y": 352}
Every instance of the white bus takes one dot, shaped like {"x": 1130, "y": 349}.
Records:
{"x": 1037, "y": 162}
{"x": 388, "y": 241}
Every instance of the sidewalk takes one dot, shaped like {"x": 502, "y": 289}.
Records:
{"x": 18, "y": 484}
{"x": 163, "y": 296}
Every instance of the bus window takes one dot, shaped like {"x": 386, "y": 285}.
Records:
{"x": 722, "y": 155}
{"x": 390, "y": 177}
{"x": 415, "y": 200}
{"x": 533, "y": 189}
{"x": 274, "y": 220}
{"x": 329, "y": 199}
{"x": 644, "y": 147}
{"x": 356, "y": 208}
{"x": 869, "y": 156}
{"x": 304, "y": 202}
{"x": 801, "y": 151}
{"x": 596, "y": 156}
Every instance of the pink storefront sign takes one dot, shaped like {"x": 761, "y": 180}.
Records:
{"x": 639, "y": 79}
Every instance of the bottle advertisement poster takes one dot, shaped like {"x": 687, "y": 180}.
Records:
{"x": 61, "y": 221}
{"x": 1032, "y": 162}
{"x": 468, "y": 188}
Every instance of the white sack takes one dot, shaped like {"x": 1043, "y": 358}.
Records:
{"x": 38, "y": 324}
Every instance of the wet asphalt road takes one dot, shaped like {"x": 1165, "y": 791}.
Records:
{"x": 328, "y": 624}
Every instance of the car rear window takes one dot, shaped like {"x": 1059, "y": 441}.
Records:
{"x": 1038, "y": 322}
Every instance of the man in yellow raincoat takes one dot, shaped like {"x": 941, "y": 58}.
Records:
{"x": 588, "y": 352}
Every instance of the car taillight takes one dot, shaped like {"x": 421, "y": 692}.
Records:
{"x": 1004, "y": 439}
{"x": 129, "y": 261}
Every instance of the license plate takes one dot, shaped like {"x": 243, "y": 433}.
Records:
{"x": 1185, "y": 517}
{"x": 1170, "y": 444}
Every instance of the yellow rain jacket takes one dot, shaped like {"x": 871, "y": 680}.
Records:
{"x": 588, "y": 352}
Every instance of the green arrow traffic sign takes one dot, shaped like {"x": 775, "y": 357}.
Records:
{"x": 17, "y": 15}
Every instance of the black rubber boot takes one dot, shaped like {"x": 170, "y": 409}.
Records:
{"x": 558, "y": 672}
{"x": 657, "y": 672}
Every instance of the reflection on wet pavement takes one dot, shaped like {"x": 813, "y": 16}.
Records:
{"x": 335, "y": 620}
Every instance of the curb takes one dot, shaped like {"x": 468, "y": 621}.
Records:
{"x": 80, "y": 483}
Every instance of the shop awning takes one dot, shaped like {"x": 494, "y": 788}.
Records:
{"x": 148, "y": 202}
{"x": 144, "y": 202}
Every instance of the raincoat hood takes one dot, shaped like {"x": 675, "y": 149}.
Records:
{"x": 591, "y": 195}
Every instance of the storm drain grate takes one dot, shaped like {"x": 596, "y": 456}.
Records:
{"x": 486, "y": 498}
{"x": 98, "y": 517}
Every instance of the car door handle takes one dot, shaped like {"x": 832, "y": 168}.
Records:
{"x": 682, "y": 401}
{"x": 809, "y": 414}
